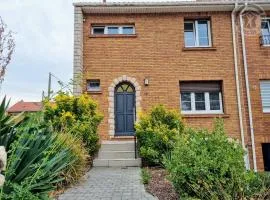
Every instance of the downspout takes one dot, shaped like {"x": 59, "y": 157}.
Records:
{"x": 238, "y": 86}
{"x": 248, "y": 90}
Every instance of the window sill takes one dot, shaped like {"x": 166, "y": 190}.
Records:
{"x": 94, "y": 92}
{"x": 199, "y": 48}
{"x": 265, "y": 46}
{"x": 206, "y": 115}
{"x": 114, "y": 36}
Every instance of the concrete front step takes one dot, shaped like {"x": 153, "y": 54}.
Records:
{"x": 116, "y": 154}
{"x": 117, "y": 162}
{"x": 117, "y": 146}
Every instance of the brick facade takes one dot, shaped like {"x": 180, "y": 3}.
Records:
{"x": 157, "y": 53}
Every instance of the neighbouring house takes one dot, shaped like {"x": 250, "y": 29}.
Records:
{"x": 207, "y": 58}
{"x": 22, "y": 106}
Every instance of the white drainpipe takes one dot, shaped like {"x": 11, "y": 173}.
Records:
{"x": 238, "y": 87}
{"x": 248, "y": 90}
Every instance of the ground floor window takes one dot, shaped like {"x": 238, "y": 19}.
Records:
{"x": 266, "y": 156}
{"x": 201, "y": 97}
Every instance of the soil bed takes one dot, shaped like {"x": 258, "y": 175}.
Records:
{"x": 159, "y": 186}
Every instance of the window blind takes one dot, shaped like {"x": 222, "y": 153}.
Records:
{"x": 265, "y": 95}
{"x": 200, "y": 86}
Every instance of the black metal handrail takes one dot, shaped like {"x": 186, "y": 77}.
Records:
{"x": 135, "y": 145}
{"x": 265, "y": 39}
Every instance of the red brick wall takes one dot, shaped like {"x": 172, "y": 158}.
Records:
{"x": 157, "y": 53}
{"x": 258, "y": 60}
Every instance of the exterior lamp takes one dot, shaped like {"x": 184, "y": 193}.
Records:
{"x": 146, "y": 81}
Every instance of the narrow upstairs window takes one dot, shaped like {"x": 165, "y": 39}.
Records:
{"x": 197, "y": 33}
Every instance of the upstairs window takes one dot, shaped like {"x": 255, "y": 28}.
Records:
{"x": 197, "y": 33}
{"x": 265, "y": 95}
{"x": 93, "y": 86}
{"x": 201, "y": 97}
{"x": 113, "y": 30}
{"x": 265, "y": 31}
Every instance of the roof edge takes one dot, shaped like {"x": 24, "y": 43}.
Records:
{"x": 173, "y": 3}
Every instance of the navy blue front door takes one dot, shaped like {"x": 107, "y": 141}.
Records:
{"x": 124, "y": 109}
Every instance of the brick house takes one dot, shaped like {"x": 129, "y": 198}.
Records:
{"x": 206, "y": 58}
{"x": 23, "y": 106}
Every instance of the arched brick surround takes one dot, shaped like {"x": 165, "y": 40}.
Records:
{"x": 133, "y": 81}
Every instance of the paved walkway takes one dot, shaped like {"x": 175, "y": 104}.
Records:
{"x": 109, "y": 184}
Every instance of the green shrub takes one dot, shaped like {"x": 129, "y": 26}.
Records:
{"x": 257, "y": 185}
{"x": 156, "y": 132}
{"x": 77, "y": 168}
{"x": 207, "y": 165}
{"x": 76, "y": 115}
{"x": 145, "y": 175}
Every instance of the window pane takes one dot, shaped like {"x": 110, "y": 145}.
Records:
{"x": 189, "y": 39}
{"x": 203, "y": 33}
{"x": 186, "y": 106}
{"x": 199, "y": 101}
{"x": 199, "y": 105}
{"x": 199, "y": 96}
{"x": 189, "y": 34}
{"x": 128, "y": 30}
{"x": 188, "y": 26}
{"x": 186, "y": 101}
{"x": 113, "y": 30}
{"x": 93, "y": 85}
{"x": 214, "y": 105}
{"x": 214, "y": 96}
{"x": 214, "y": 101}
{"x": 98, "y": 30}
{"x": 185, "y": 96}
{"x": 265, "y": 28}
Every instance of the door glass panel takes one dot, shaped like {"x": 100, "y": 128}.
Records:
{"x": 125, "y": 86}
{"x": 119, "y": 89}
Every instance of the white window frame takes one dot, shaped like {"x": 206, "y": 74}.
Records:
{"x": 89, "y": 89}
{"x": 120, "y": 29}
{"x": 207, "y": 104}
{"x": 196, "y": 35}
{"x": 267, "y": 19}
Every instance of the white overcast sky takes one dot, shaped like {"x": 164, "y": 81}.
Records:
{"x": 44, "y": 43}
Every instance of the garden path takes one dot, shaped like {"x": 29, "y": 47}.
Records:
{"x": 102, "y": 183}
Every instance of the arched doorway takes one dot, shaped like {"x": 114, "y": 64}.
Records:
{"x": 124, "y": 109}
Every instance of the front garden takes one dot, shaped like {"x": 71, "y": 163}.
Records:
{"x": 194, "y": 164}
{"x": 50, "y": 150}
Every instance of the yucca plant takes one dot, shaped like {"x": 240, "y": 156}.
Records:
{"x": 37, "y": 160}
{"x": 8, "y": 125}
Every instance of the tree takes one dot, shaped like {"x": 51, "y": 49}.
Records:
{"x": 7, "y": 46}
